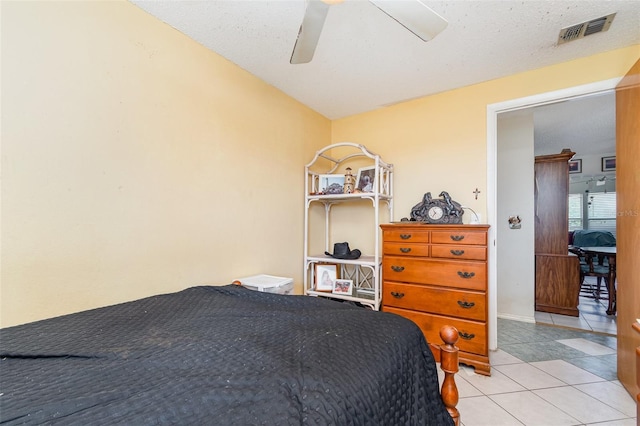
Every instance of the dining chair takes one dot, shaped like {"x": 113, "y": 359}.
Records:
{"x": 593, "y": 266}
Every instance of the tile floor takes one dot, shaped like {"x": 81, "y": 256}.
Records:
{"x": 593, "y": 316}
{"x": 545, "y": 375}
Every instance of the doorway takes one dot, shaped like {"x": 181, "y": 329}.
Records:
{"x": 498, "y": 305}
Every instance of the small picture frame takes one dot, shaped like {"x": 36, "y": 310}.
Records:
{"x": 326, "y": 275}
{"x": 366, "y": 179}
{"x": 343, "y": 287}
{"x": 575, "y": 166}
{"x": 331, "y": 184}
{"x": 608, "y": 164}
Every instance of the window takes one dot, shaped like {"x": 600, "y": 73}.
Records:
{"x": 601, "y": 211}
{"x": 575, "y": 212}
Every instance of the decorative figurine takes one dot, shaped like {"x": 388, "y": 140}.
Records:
{"x": 515, "y": 222}
{"x": 443, "y": 210}
{"x": 349, "y": 181}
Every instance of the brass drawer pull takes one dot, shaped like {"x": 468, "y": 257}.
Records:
{"x": 457, "y": 237}
{"x": 466, "y": 274}
{"x": 466, "y": 336}
{"x": 405, "y": 236}
{"x": 397, "y": 295}
{"x": 466, "y": 305}
{"x": 457, "y": 252}
{"x": 405, "y": 249}
{"x": 397, "y": 268}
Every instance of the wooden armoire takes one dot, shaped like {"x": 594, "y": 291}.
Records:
{"x": 557, "y": 271}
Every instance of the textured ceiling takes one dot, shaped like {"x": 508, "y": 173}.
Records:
{"x": 365, "y": 60}
{"x": 586, "y": 125}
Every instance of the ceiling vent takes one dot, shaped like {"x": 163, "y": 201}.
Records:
{"x": 584, "y": 29}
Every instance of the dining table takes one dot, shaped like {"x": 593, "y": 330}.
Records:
{"x": 610, "y": 254}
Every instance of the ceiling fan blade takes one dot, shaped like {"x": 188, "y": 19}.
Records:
{"x": 414, "y": 16}
{"x": 309, "y": 34}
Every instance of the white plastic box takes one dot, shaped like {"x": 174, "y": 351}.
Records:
{"x": 268, "y": 283}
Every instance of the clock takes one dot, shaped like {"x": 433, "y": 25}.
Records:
{"x": 435, "y": 212}
{"x": 438, "y": 210}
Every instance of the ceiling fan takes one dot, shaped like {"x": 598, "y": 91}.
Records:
{"x": 411, "y": 14}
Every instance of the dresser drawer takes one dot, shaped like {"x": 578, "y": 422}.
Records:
{"x": 459, "y": 252}
{"x": 456, "y": 303}
{"x": 461, "y": 274}
{"x": 472, "y": 336}
{"x": 459, "y": 237}
{"x": 406, "y": 249}
{"x": 406, "y": 235}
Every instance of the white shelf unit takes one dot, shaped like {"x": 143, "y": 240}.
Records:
{"x": 365, "y": 272}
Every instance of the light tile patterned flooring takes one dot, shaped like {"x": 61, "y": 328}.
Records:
{"x": 593, "y": 316}
{"x": 545, "y": 375}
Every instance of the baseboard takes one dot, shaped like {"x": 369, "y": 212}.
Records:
{"x": 520, "y": 318}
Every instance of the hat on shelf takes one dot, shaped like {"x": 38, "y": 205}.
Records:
{"x": 342, "y": 251}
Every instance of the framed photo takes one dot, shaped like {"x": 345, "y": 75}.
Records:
{"x": 575, "y": 166}
{"x": 331, "y": 184}
{"x": 343, "y": 287}
{"x": 366, "y": 179}
{"x": 326, "y": 275}
{"x": 608, "y": 164}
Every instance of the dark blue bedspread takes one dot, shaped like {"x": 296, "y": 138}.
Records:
{"x": 220, "y": 355}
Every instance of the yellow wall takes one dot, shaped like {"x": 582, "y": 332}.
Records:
{"x": 136, "y": 162}
{"x": 439, "y": 142}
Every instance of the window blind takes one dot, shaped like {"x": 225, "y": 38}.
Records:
{"x": 601, "y": 211}
{"x": 575, "y": 212}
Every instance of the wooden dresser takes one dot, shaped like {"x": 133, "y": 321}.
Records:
{"x": 436, "y": 275}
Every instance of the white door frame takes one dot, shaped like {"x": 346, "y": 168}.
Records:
{"x": 492, "y": 184}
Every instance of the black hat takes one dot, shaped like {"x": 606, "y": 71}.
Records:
{"x": 342, "y": 251}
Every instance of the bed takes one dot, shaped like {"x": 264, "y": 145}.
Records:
{"x": 224, "y": 355}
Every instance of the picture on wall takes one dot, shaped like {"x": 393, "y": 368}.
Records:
{"x": 608, "y": 164}
{"x": 575, "y": 166}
